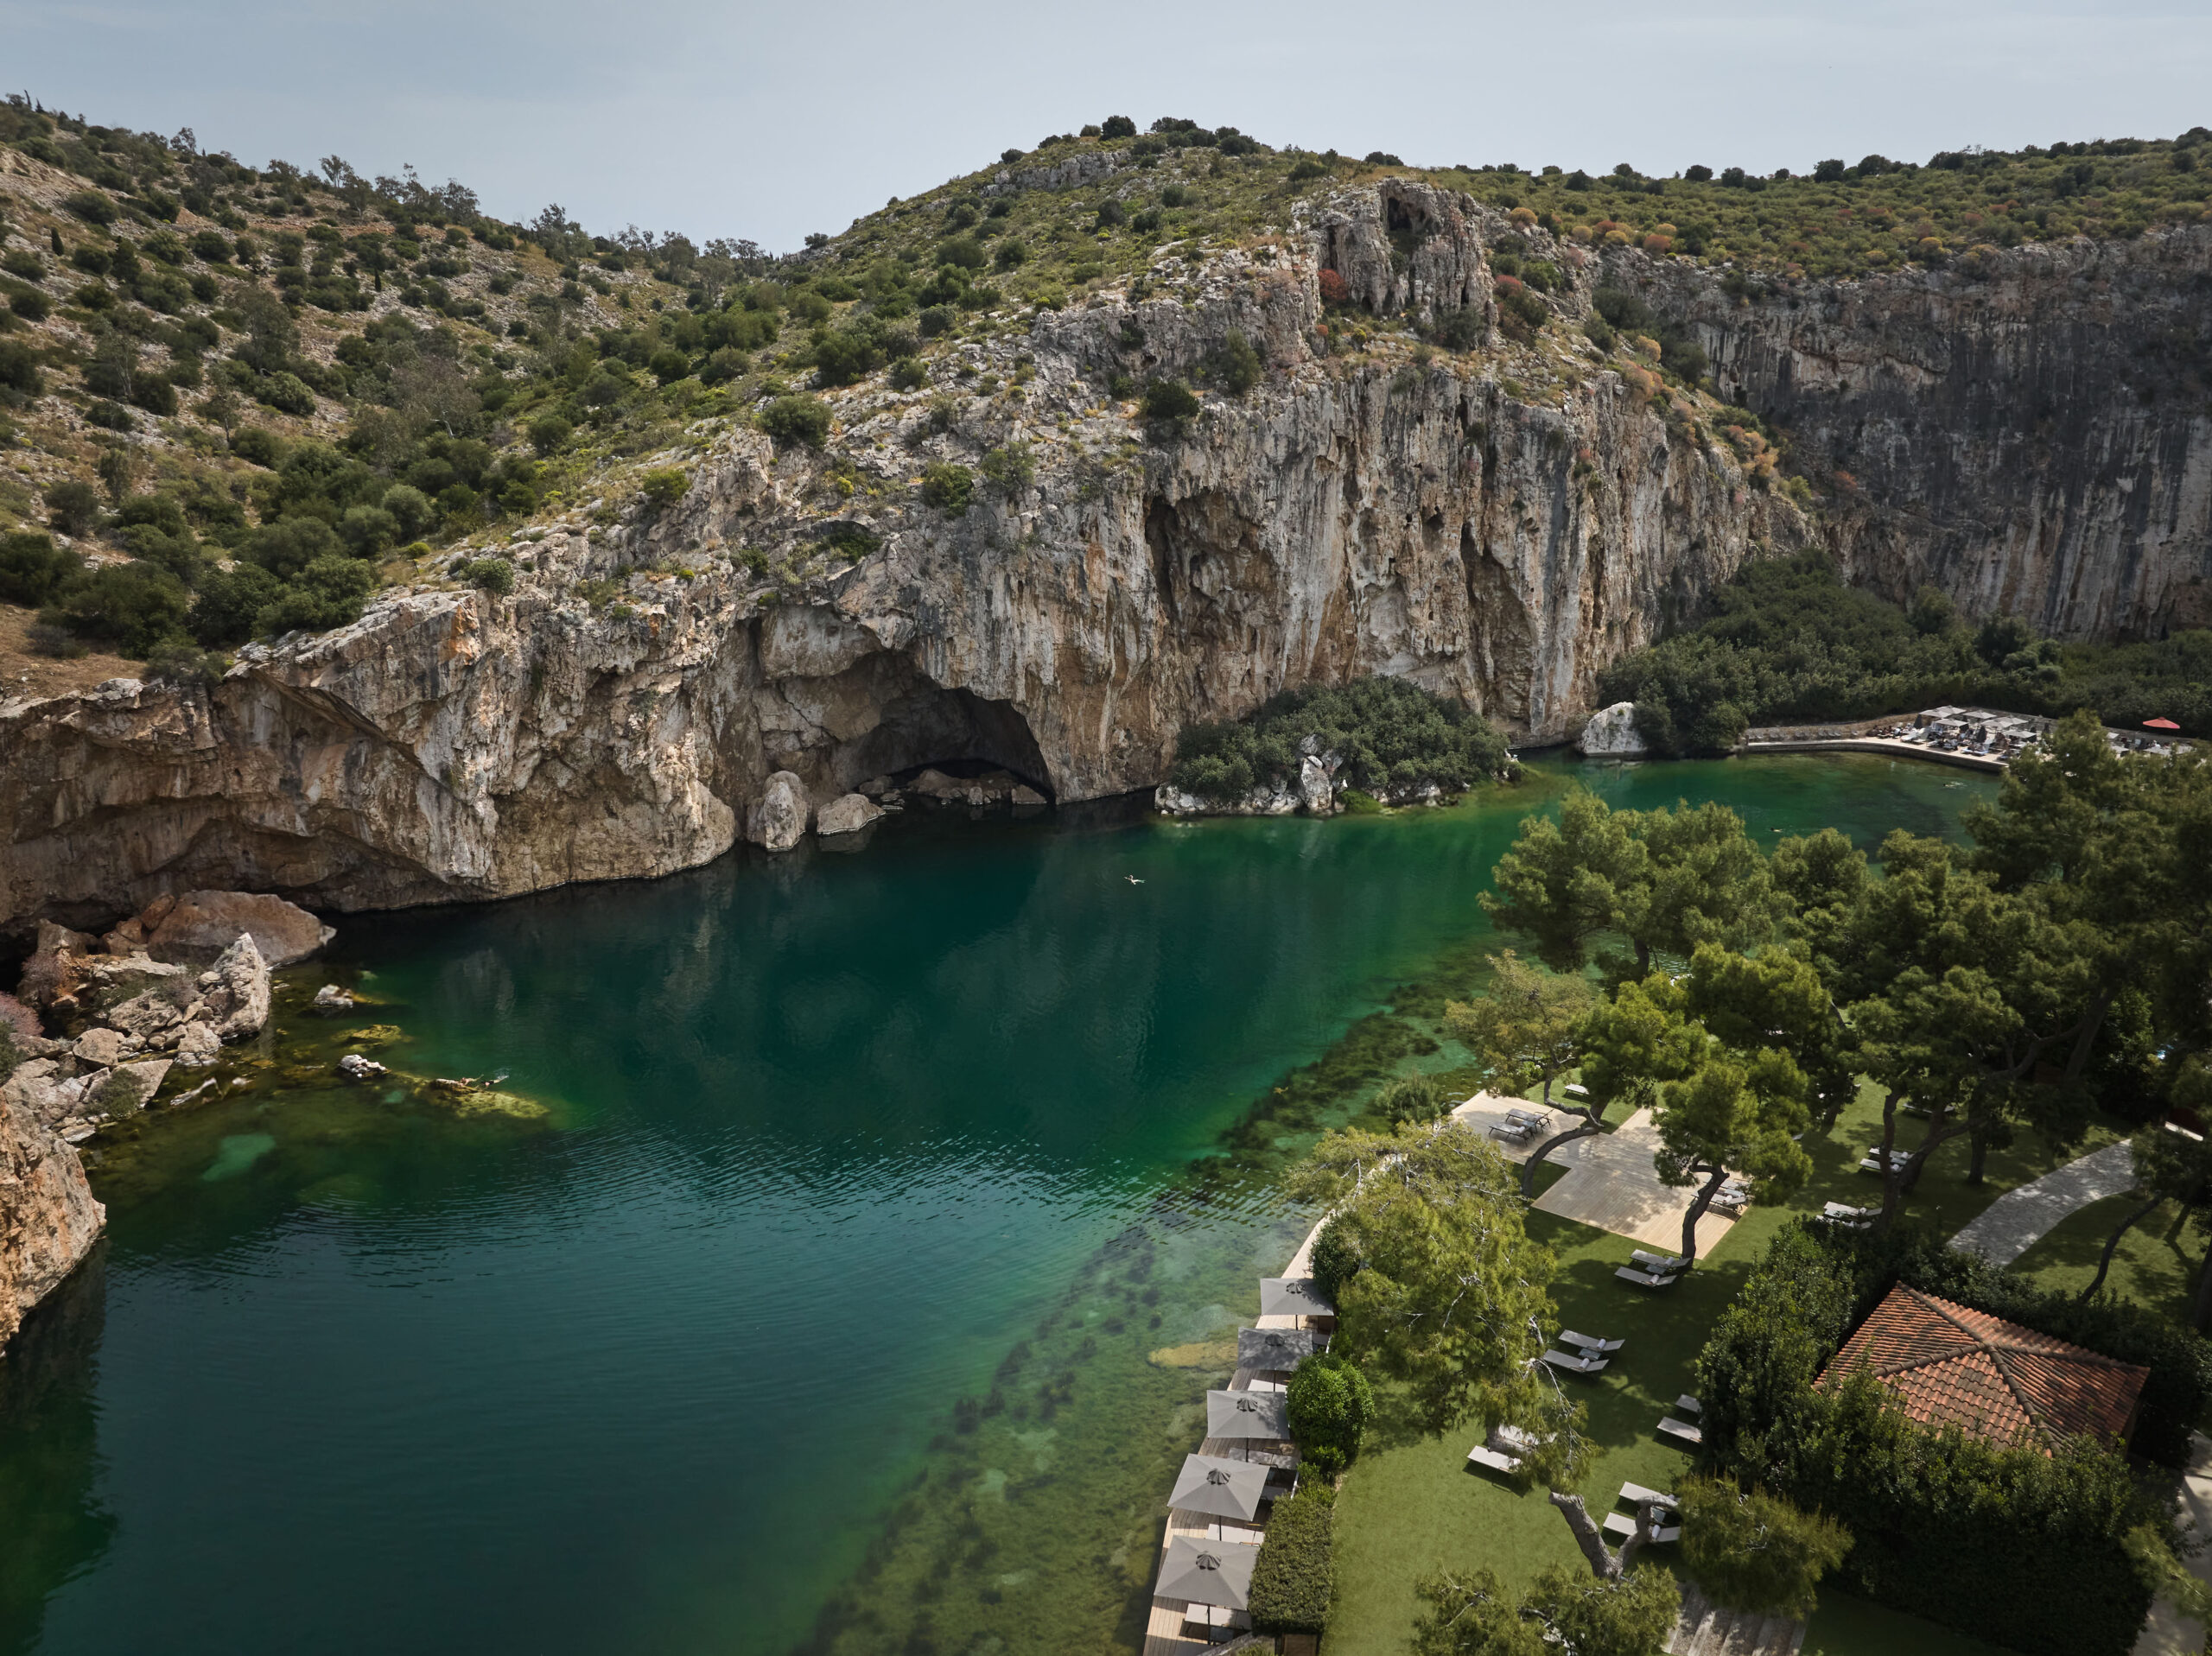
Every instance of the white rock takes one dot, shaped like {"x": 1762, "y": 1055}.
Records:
{"x": 847, "y": 814}
{"x": 237, "y": 990}
{"x": 105, "y": 1047}
{"x": 199, "y": 1046}
{"x": 129, "y": 1086}
{"x": 1315, "y": 792}
{"x": 1611, "y": 733}
{"x": 332, "y": 999}
{"x": 354, "y": 1067}
{"x": 779, "y": 819}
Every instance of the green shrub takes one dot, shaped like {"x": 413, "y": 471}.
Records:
{"x": 803, "y": 421}
{"x": 1169, "y": 401}
{"x": 286, "y": 392}
{"x": 90, "y": 206}
{"x": 73, "y": 506}
{"x": 1330, "y": 1407}
{"x": 258, "y": 445}
{"x": 948, "y": 486}
{"x": 109, "y": 416}
{"x": 1117, "y": 126}
{"x": 410, "y": 510}
{"x": 488, "y": 574}
{"x": 1174, "y": 196}
{"x": 181, "y": 662}
{"x": 19, "y": 369}
{"x": 33, "y": 568}
{"x": 211, "y": 245}
{"x": 664, "y": 486}
{"x": 908, "y": 373}
{"x": 548, "y": 432}
{"x": 668, "y": 364}
{"x": 1411, "y": 1098}
{"x": 327, "y": 593}
{"x": 1010, "y": 468}
{"x": 1294, "y": 1576}
{"x": 368, "y": 530}
{"x": 1756, "y": 1551}
{"x": 1392, "y": 737}
{"x": 1459, "y": 330}
{"x": 31, "y": 305}
{"x": 1307, "y": 168}
{"x": 1335, "y": 1260}
{"x": 724, "y": 363}
{"x": 132, "y": 606}
{"x": 1234, "y": 365}
{"x": 1112, "y": 215}
{"x": 1010, "y": 254}
{"x": 287, "y": 547}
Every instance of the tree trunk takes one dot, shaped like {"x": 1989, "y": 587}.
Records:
{"x": 1697, "y": 1211}
{"x": 1890, "y": 1194}
{"x": 1604, "y": 1562}
{"x": 1589, "y": 1124}
{"x": 2112, "y": 1244}
{"x": 2202, "y": 1309}
{"x": 1980, "y": 1155}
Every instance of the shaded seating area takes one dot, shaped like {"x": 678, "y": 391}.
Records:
{"x": 1520, "y": 1125}
{"x": 1219, "y": 1487}
{"x": 1851, "y": 1218}
{"x": 1504, "y": 1449}
{"x": 1576, "y": 1362}
{"x": 1294, "y": 1297}
{"x": 1275, "y": 1351}
{"x": 1648, "y": 1269}
{"x": 1213, "y": 1579}
{"x": 1251, "y": 1418}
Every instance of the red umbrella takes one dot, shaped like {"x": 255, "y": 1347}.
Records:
{"x": 2160, "y": 724}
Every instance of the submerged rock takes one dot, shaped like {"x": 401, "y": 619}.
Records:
{"x": 332, "y": 999}
{"x": 1612, "y": 734}
{"x": 354, "y": 1067}
{"x": 846, "y": 814}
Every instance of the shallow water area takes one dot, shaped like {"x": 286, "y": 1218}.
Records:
{"x": 880, "y": 1239}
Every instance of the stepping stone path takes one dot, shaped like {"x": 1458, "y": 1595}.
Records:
{"x": 2013, "y": 1223}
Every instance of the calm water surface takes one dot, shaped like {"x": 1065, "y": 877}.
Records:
{"x": 829, "y": 1136}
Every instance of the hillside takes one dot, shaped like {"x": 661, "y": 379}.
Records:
{"x": 199, "y": 353}
{"x": 573, "y": 548}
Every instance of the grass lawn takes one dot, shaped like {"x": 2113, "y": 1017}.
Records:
{"x": 2154, "y": 1265}
{"x": 1411, "y": 1504}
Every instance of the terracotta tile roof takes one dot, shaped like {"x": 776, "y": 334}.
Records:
{"x": 1948, "y": 1366}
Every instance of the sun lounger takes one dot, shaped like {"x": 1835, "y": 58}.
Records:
{"x": 1568, "y": 1336}
{"x": 1515, "y": 1130}
{"x": 1496, "y": 1460}
{"x": 1576, "y": 1362}
{"x": 1575, "y": 1089}
{"x": 1623, "y": 1526}
{"x": 1644, "y": 1279}
{"x": 1683, "y": 1429}
{"x": 1663, "y": 1263}
{"x": 1635, "y": 1495}
{"x": 1689, "y": 1405}
{"x": 1515, "y": 1438}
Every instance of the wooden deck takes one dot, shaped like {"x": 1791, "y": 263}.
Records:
{"x": 1611, "y": 1183}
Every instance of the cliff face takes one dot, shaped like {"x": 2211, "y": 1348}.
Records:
{"x": 2030, "y": 431}
{"x": 49, "y": 1220}
{"x": 1497, "y": 526}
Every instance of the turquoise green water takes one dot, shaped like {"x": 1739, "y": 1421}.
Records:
{"x": 836, "y": 1142}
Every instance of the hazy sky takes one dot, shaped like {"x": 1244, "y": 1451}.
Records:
{"x": 770, "y": 121}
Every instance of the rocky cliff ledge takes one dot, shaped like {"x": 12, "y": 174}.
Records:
{"x": 1496, "y": 524}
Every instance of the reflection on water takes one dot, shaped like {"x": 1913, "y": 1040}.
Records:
{"x": 835, "y": 1143}
{"x": 53, "y": 1525}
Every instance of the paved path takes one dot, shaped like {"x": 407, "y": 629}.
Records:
{"x": 2167, "y": 1633}
{"x": 2013, "y": 1223}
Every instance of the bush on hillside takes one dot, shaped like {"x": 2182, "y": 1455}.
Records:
{"x": 949, "y": 486}
{"x": 803, "y": 421}
{"x": 1169, "y": 401}
{"x": 1393, "y": 738}
{"x": 33, "y": 568}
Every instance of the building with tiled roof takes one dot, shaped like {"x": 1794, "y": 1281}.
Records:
{"x": 1948, "y": 1366}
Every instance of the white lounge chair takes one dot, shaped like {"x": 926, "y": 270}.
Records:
{"x": 1683, "y": 1429}
{"x": 1496, "y": 1461}
{"x": 1644, "y": 1279}
{"x": 1576, "y": 1363}
{"x": 1568, "y": 1336}
{"x": 1635, "y": 1495}
{"x": 1689, "y": 1405}
{"x": 1622, "y": 1525}
{"x": 1666, "y": 1264}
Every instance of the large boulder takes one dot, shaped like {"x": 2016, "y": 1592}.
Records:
{"x": 778, "y": 821}
{"x": 48, "y": 1220}
{"x": 1316, "y": 787}
{"x": 129, "y": 1087}
{"x": 1612, "y": 734}
{"x": 846, "y": 814}
{"x": 56, "y": 968}
{"x": 200, "y": 925}
{"x": 18, "y": 1022}
{"x": 236, "y": 989}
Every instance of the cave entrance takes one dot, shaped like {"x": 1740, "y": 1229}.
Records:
{"x": 956, "y": 732}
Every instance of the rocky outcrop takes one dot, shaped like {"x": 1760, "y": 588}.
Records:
{"x": 48, "y": 1220}
{"x": 200, "y": 925}
{"x": 847, "y": 814}
{"x": 1496, "y": 525}
{"x": 2027, "y": 430}
{"x": 1612, "y": 734}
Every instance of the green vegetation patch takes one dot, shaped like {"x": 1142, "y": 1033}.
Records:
{"x": 1292, "y": 1578}
{"x": 1395, "y": 741}
{"x": 1788, "y": 641}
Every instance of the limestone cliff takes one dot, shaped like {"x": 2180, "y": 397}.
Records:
{"x": 49, "y": 1220}
{"x": 1498, "y": 525}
